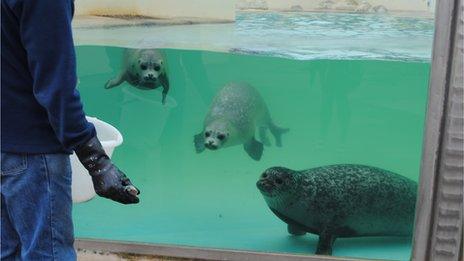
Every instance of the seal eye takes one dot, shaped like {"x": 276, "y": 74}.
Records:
{"x": 279, "y": 181}
{"x": 157, "y": 67}
{"x": 221, "y": 136}
{"x": 207, "y": 134}
{"x": 143, "y": 66}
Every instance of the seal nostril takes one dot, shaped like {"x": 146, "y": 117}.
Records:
{"x": 279, "y": 181}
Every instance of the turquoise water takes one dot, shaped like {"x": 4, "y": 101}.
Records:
{"x": 363, "y": 111}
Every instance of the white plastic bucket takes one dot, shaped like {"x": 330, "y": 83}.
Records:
{"x": 82, "y": 186}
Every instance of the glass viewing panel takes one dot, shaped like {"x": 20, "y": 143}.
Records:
{"x": 338, "y": 90}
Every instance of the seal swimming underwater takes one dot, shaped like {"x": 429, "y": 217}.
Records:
{"x": 344, "y": 200}
{"x": 144, "y": 69}
{"x": 235, "y": 113}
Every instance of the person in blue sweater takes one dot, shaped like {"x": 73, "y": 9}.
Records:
{"x": 42, "y": 123}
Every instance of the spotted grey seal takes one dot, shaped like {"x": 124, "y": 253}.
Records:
{"x": 340, "y": 201}
{"x": 234, "y": 115}
{"x": 144, "y": 69}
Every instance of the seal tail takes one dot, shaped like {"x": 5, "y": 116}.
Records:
{"x": 277, "y": 133}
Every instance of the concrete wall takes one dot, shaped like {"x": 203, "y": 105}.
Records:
{"x": 105, "y": 7}
{"x": 209, "y": 9}
{"x": 204, "y": 9}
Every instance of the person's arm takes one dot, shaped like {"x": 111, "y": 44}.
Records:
{"x": 46, "y": 34}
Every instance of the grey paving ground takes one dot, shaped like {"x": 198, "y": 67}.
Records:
{"x": 86, "y": 255}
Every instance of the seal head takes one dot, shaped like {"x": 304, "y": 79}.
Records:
{"x": 276, "y": 182}
{"x": 148, "y": 70}
{"x": 217, "y": 134}
{"x": 143, "y": 69}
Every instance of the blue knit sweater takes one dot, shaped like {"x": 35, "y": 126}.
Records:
{"x": 41, "y": 111}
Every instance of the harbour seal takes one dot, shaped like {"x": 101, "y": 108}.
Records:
{"x": 144, "y": 69}
{"x": 234, "y": 115}
{"x": 344, "y": 200}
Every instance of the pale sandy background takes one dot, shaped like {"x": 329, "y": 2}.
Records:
{"x": 208, "y": 9}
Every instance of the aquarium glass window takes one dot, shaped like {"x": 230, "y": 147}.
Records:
{"x": 290, "y": 132}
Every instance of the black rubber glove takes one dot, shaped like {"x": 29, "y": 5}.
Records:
{"x": 108, "y": 180}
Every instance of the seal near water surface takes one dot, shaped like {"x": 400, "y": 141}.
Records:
{"x": 235, "y": 114}
{"x": 144, "y": 69}
{"x": 343, "y": 200}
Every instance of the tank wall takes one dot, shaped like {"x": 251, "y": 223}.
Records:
{"x": 205, "y": 9}
{"x": 212, "y": 9}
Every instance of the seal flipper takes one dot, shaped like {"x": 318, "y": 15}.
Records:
{"x": 199, "y": 141}
{"x": 263, "y": 137}
{"x": 295, "y": 230}
{"x": 254, "y": 149}
{"x": 120, "y": 78}
{"x": 325, "y": 243}
{"x": 277, "y": 132}
{"x": 165, "y": 83}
